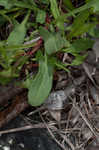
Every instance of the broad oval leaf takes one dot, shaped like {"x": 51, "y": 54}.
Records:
{"x": 41, "y": 85}
{"x": 52, "y": 42}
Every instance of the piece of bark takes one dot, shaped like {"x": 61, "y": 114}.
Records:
{"x": 18, "y": 105}
{"x": 7, "y": 93}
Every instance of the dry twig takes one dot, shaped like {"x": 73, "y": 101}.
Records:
{"x": 52, "y": 135}
{"x": 85, "y": 119}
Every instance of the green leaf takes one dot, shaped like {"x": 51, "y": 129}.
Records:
{"x": 41, "y": 85}
{"x": 96, "y": 5}
{"x": 26, "y": 4}
{"x": 45, "y": 2}
{"x": 82, "y": 44}
{"x": 2, "y": 21}
{"x": 41, "y": 15}
{"x": 44, "y": 33}
{"x": 82, "y": 29}
{"x": 5, "y": 80}
{"x": 53, "y": 42}
{"x": 7, "y": 3}
{"x": 56, "y": 14}
{"x": 62, "y": 66}
{"x": 91, "y": 4}
{"x": 17, "y": 36}
{"x": 77, "y": 26}
{"x": 68, "y": 4}
{"x": 54, "y": 9}
{"x": 79, "y": 45}
{"x": 8, "y": 73}
{"x": 78, "y": 60}
{"x": 27, "y": 83}
{"x": 94, "y": 32}
{"x": 56, "y": 63}
{"x": 6, "y": 76}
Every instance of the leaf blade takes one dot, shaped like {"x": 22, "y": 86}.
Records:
{"x": 54, "y": 9}
{"x": 53, "y": 42}
{"x": 41, "y": 85}
{"x": 16, "y": 37}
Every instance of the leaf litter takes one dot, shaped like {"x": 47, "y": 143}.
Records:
{"x": 71, "y": 111}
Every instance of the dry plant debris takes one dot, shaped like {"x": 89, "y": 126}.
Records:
{"x": 74, "y": 123}
{"x": 71, "y": 111}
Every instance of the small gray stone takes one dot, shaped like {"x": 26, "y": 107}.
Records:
{"x": 55, "y": 100}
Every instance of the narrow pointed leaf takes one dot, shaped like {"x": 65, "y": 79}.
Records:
{"x": 54, "y": 8}
{"x": 17, "y": 36}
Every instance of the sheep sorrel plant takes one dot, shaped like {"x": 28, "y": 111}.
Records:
{"x": 34, "y": 34}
